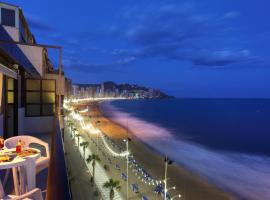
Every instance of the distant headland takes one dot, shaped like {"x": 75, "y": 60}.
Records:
{"x": 110, "y": 89}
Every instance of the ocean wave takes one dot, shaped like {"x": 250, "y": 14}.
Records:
{"x": 247, "y": 176}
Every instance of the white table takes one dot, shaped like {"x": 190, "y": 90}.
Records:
{"x": 28, "y": 164}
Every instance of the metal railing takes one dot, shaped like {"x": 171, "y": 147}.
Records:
{"x": 57, "y": 185}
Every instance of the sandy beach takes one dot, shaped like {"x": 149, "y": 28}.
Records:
{"x": 189, "y": 185}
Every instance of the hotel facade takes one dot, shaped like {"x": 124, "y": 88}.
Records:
{"x": 32, "y": 91}
{"x": 30, "y": 86}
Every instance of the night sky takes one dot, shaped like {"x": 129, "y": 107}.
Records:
{"x": 210, "y": 48}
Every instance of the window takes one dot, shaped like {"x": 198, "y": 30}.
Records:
{"x": 48, "y": 109}
{"x": 32, "y": 110}
{"x": 33, "y": 84}
{"x": 48, "y": 85}
{"x": 8, "y": 17}
{"x": 11, "y": 97}
{"x": 10, "y": 91}
{"x": 48, "y": 97}
{"x": 33, "y": 97}
{"x": 40, "y": 97}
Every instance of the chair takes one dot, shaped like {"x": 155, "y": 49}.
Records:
{"x": 43, "y": 161}
{"x": 33, "y": 194}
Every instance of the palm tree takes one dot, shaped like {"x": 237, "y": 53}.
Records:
{"x": 84, "y": 145}
{"x": 78, "y": 137}
{"x": 74, "y": 129}
{"x": 70, "y": 176}
{"x": 69, "y": 123}
{"x": 112, "y": 185}
{"x": 94, "y": 158}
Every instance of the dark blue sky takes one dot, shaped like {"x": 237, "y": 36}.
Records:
{"x": 187, "y": 48}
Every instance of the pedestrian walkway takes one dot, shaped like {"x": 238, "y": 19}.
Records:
{"x": 81, "y": 187}
{"x": 100, "y": 174}
{"x": 111, "y": 171}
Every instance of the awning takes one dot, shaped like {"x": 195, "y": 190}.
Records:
{"x": 8, "y": 72}
{"x": 30, "y": 58}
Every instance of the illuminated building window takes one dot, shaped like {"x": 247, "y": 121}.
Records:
{"x": 40, "y": 97}
{"x": 10, "y": 92}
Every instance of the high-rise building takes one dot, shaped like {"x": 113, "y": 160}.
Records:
{"x": 102, "y": 90}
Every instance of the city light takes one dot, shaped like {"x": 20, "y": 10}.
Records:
{"x": 95, "y": 131}
{"x": 176, "y": 196}
{"x": 96, "y": 99}
{"x": 83, "y": 111}
{"x": 92, "y": 130}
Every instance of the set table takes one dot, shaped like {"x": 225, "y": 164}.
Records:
{"x": 26, "y": 163}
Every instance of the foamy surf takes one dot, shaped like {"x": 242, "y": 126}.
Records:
{"x": 247, "y": 176}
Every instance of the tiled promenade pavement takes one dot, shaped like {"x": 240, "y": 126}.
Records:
{"x": 100, "y": 175}
{"x": 81, "y": 187}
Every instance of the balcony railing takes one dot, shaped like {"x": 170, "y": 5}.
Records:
{"x": 58, "y": 184}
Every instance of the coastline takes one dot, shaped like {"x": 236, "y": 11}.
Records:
{"x": 190, "y": 186}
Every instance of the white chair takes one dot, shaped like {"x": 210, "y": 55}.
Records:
{"x": 33, "y": 194}
{"x": 43, "y": 161}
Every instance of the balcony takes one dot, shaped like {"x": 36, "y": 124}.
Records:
{"x": 53, "y": 181}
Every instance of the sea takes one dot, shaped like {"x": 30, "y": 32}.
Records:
{"x": 226, "y": 141}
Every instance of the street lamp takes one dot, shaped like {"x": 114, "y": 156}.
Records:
{"x": 176, "y": 196}
{"x": 126, "y": 141}
{"x": 167, "y": 190}
{"x": 97, "y": 123}
{"x": 172, "y": 188}
{"x": 167, "y": 162}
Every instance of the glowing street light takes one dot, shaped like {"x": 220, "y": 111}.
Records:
{"x": 126, "y": 141}
{"x": 176, "y": 196}
{"x": 92, "y": 130}
{"x": 172, "y": 188}
{"x": 167, "y": 190}
{"x": 97, "y": 124}
{"x": 167, "y": 162}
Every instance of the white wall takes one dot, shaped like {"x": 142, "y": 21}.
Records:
{"x": 34, "y": 55}
{"x": 13, "y": 32}
{"x": 34, "y": 125}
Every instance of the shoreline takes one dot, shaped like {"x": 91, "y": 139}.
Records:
{"x": 191, "y": 186}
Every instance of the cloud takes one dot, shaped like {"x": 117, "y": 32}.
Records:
{"x": 179, "y": 32}
{"x": 74, "y": 64}
{"x": 167, "y": 24}
{"x": 38, "y": 24}
{"x": 222, "y": 58}
{"x": 160, "y": 31}
{"x": 231, "y": 15}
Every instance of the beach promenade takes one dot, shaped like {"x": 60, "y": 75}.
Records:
{"x": 116, "y": 169}
{"x": 187, "y": 184}
{"x": 81, "y": 187}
